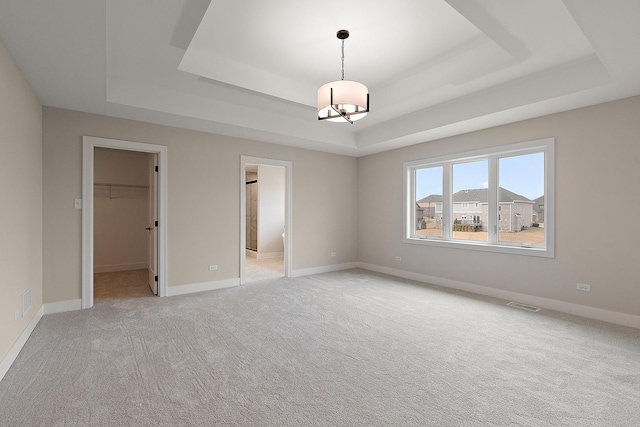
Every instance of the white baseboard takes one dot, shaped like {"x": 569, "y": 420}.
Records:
{"x": 324, "y": 269}
{"x": 120, "y": 267}
{"x": 550, "y": 304}
{"x": 268, "y": 255}
{"x": 263, "y": 255}
{"x": 200, "y": 287}
{"x": 11, "y": 356}
{"x": 63, "y": 306}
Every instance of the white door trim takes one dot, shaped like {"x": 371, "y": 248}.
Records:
{"x": 152, "y": 241}
{"x": 288, "y": 198}
{"x": 89, "y": 143}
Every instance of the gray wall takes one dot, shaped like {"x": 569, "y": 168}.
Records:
{"x": 203, "y": 200}
{"x": 20, "y": 200}
{"x": 271, "y": 200}
{"x": 597, "y": 160}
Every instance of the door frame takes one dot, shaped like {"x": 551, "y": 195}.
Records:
{"x": 152, "y": 241}
{"x": 288, "y": 198}
{"x": 89, "y": 143}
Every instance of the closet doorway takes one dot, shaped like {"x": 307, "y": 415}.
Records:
{"x": 123, "y": 219}
{"x": 124, "y": 206}
{"x": 265, "y": 219}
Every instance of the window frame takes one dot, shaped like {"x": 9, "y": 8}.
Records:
{"x": 492, "y": 155}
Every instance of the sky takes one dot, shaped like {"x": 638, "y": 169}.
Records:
{"x": 523, "y": 175}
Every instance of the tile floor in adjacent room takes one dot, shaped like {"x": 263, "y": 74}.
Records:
{"x": 122, "y": 284}
{"x": 261, "y": 269}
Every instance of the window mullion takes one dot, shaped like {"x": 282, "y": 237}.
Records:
{"x": 492, "y": 201}
{"x": 447, "y": 201}
{"x": 410, "y": 194}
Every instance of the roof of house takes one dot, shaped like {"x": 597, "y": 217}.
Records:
{"x": 432, "y": 198}
{"x": 481, "y": 195}
{"x": 537, "y": 202}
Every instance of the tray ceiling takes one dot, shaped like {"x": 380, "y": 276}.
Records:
{"x": 251, "y": 69}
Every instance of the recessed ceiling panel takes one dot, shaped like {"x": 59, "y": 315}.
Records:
{"x": 286, "y": 49}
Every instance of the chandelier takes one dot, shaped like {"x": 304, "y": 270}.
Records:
{"x": 343, "y": 100}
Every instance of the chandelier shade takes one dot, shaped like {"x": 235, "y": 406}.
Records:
{"x": 343, "y": 99}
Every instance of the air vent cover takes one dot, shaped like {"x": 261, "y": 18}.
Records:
{"x": 523, "y": 306}
{"x": 26, "y": 301}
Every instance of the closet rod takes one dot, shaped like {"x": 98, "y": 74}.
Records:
{"x": 121, "y": 185}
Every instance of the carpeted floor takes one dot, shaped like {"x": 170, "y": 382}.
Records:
{"x": 349, "y": 348}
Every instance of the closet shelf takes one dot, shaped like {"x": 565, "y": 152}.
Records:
{"x": 120, "y": 190}
{"x": 120, "y": 185}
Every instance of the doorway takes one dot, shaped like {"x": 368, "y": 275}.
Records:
{"x": 153, "y": 216}
{"x": 265, "y": 219}
{"x": 125, "y": 208}
{"x": 252, "y": 209}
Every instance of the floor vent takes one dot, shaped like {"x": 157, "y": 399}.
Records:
{"x": 523, "y": 306}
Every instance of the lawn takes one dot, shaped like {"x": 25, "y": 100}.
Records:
{"x": 530, "y": 235}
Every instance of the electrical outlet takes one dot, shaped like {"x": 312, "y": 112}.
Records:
{"x": 333, "y": 254}
{"x": 213, "y": 267}
{"x": 398, "y": 258}
{"x": 16, "y": 314}
{"x": 583, "y": 287}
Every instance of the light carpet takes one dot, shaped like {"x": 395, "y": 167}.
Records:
{"x": 349, "y": 348}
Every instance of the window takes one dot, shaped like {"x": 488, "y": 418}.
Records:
{"x": 501, "y": 192}
{"x": 428, "y": 184}
{"x": 519, "y": 226}
{"x": 470, "y": 180}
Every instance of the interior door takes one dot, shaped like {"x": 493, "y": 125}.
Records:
{"x": 153, "y": 223}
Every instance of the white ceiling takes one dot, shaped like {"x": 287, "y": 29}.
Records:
{"x": 251, "y": 68}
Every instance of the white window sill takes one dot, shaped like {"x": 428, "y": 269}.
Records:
{"x": 536, "y": 251}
